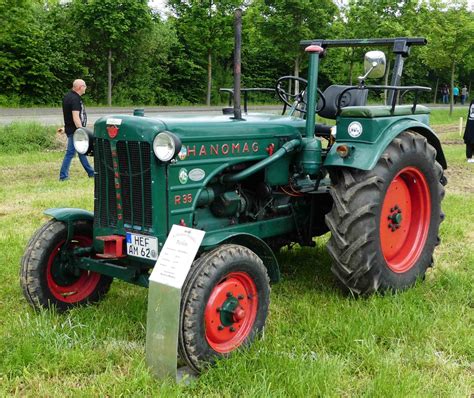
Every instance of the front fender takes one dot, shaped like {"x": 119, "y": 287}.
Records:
{"x": 365, "y": 155}
{"x": 68, "y": 214}
{"x": 257, "y": 245}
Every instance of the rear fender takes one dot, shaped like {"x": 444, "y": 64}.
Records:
{"x": 257, "y": 245}
{"x": 365, "y": 155}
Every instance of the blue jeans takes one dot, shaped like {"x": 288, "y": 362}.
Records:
{"x": 70, "y": 152}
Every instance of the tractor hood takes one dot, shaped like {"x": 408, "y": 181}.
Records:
{"x": 199, "y": 128}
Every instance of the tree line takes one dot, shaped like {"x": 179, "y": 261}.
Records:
{"x": 130, "y": 54}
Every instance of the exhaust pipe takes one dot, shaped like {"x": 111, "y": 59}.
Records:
{"x": 237, "y": 62}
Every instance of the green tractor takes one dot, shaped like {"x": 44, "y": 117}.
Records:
{"x": 254, "y": 183}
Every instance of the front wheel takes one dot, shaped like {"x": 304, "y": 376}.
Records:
{"x": 224, "y": 304}
{"x": 385, "y": 222}
{"x": 47, "y": 276}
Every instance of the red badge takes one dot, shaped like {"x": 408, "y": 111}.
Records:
{"x": 113, "y": 131}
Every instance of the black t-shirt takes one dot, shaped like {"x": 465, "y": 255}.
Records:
{"x": 72, "y": 102}
{"x": 469, "y": 132}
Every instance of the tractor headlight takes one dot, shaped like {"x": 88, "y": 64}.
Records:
{"x": 166, "y": 146}
{"x": 83, "y": 142}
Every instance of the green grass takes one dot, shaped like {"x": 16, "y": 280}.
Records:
{"x": 24, "y": 137}
{"x": 441, "y": 116}
{"x": 317, "y": 341}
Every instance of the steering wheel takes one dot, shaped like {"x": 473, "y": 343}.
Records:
{"x": 297, "y": 101}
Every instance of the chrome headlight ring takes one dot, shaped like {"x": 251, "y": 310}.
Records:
{"x": 166, "y": 146}
{"x": 83, "y": 141}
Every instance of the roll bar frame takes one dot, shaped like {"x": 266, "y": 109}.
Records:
{"x": 401, "y": 49}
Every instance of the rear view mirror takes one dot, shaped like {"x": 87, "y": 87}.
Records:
{"x": 374, "y": 64}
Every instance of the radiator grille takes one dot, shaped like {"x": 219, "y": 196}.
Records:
{"x": 105, "y": 203}
{"x": 134, "y": 162}
{"x": 135, "y": 176}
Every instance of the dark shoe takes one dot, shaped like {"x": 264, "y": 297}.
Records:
{"x": 64, "y": 179}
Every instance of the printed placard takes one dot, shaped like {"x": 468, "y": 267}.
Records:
{"x": 114, "y": 121}
{"x": 177, "y": 255}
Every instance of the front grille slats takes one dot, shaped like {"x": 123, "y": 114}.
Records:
{"x": 105, "y": 204}
{"x": 134, "y": 162}
{"x": 126, "y": 178}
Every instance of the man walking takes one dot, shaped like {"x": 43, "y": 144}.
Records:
{"x": 74, "y": 117}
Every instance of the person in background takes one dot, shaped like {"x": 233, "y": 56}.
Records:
{"x": 469, "y": 134}
{"x": 444, "y": 93}
{"x": 455, "y": 94}
{"x": 463, "y": 94}
{"x": 74, "y": 117}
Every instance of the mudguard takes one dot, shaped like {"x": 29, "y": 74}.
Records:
{"x": 257, "y": 245}
{"x": 365, "y": 154}
{"x": 67, "y": 214}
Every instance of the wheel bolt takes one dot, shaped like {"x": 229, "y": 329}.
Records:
{"x": 232, "y": 329}
{"x": 229, "y": 294}
{"x": 220, "y": 327}
{"x": 218, "y": 309}
{"x": 240, "y": 297}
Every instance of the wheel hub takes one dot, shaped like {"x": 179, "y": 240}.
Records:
{"x": 395, "y": 218}
{"x": 66, "y": 282}
{"x": 62, "y": 272}
{"x": 230, "y": 312}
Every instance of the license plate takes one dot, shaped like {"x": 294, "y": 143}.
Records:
{"x": 142, "y": 246}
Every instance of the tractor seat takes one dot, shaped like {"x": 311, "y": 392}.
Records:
{"x": 349, "y": 98}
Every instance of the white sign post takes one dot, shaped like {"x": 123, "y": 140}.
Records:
{"x": 164, "y": 298}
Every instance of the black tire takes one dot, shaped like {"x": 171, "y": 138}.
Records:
{"x": 43, "y": 279}
{"x": 215, "y": 273}
{"x": 371, "y": 246}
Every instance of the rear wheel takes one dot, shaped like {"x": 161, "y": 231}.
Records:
{"x": 48, "y": 277}
{"x": 385, "y": 222}
{"x": 224, "y": 305}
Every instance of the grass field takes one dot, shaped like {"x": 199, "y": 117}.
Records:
{"x": 317, "y": 341}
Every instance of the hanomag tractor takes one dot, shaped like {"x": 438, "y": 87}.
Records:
{"x": 253, "y": 184}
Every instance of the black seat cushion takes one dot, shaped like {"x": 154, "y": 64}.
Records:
{"x": 349, "y": 98}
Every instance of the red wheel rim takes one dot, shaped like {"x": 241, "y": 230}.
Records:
{"x": 405, "y": 219}
{"x": 80, "y": 286}
{"x": 238, "y": 288}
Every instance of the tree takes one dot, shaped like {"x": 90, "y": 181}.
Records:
{"x": 144, "y": 77}
{"x": 114, "y": 28}
{"x": 378, "y": 19}
{"x": 206, "y": 29}
{"x": 287, "y": 22}
{"x": 26, "y": 59}
{"x": 449, "y": 27}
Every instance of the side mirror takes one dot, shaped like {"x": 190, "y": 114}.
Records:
{"x": 374, "y": 65}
